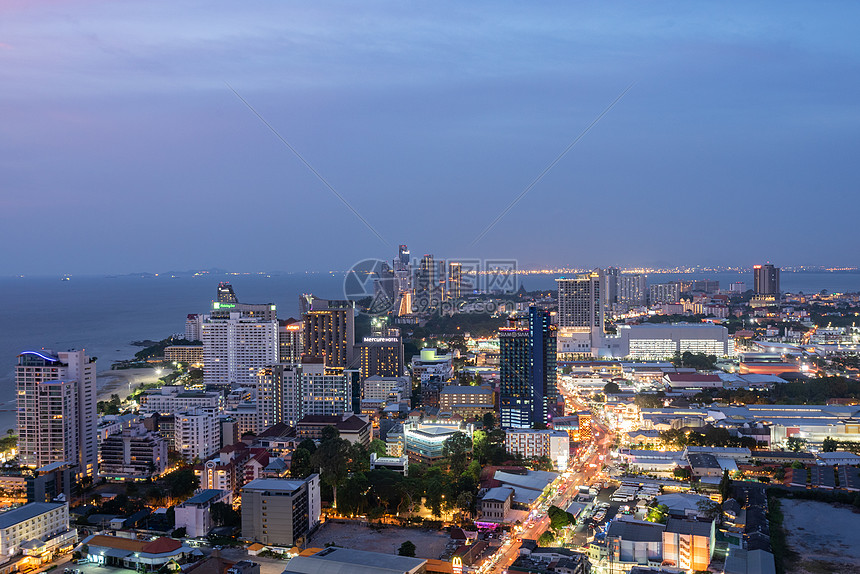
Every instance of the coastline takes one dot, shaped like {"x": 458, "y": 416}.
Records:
{"x": 122, "y": 382}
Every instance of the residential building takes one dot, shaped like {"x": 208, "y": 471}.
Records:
{"x": 289, "y": 392}
{"x": 280, "y": 511}
{"x": 531, "y": 443}
{"x": 194, "y": 327}
{"x": 171, "y": 399}
{"x": 634, "y": 542}
{"x": 527, "y": 367}
{"x": 688, "y": 544}
{"x": 631, "y": 290}
{"x": 581, "y": 302}
{"x": 132, "y": 454}
{"x": 661, "y": 293}
{"x": 195, "y": 513}
{"x": 190, "y": 354}
{"x": 226, "y": 470}
{"x": 54, "y": 482}
{"x": 467, "y": 401}
{"x": 236, "y": 347}
{"x": 378, "y": 388}
{"x": 351, "y": 427}
{"x": 329, "y": 330}
{"x": 56, "y": 406}
{"x": 495, "y": 505}
{"x": 46, "y": 522}
{"x": 197, "y": 433}
{"x": 766, "y": 279}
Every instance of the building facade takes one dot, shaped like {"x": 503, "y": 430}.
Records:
{"x": 329, "y": 330}
{"x": 56, "y": 405}
{"x": 235, "y": 348}
{"x": 280, "y": 511}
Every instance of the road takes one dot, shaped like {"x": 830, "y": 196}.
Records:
{"x": 584, "y": 472}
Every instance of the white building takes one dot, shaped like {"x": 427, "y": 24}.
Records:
{"x": 235, "y": 349}
{"x": 46, "y": 522}
{"x": 174, "y": 398}
{"x": 659, "y": 341}
{"x": 531, "y": 443}
{"x": 429, "y": 364}
{"x": 56, "y": 400}
{"x": 197, "y": 433}
{"x": 378, "y": 388}
{"x": 133, "y": 454}
{"x": 194, "y": 514}
{"x": 289, "y": 392}
{"x": 194, "y": 326}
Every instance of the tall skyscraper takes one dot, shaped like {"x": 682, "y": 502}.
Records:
{"x": 227, "y": 303}
{"x": 610, "y": 294}
{"x": 329, "y": 330}
{"x": 527, "y": 363}
{"x": 236, "y": 347}
{"x": 287, "y": 393}
{"x": 381, "y": 354}
{"x": 766, "y": 279}
{"x": 580, "y": 301}
{"x": 290, "y": 340}
{"x": 428, "y": 284}
{"x": 631, "y": 289}
{"x": 455, "y": 280}
{"x": 56, "y": 395}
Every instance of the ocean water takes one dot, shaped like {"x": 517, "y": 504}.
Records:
{"x": 104, "y": 315}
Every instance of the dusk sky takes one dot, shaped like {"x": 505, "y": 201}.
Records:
{"x": 122, "y": 149}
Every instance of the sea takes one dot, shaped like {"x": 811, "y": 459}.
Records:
{"x": 104, "y": 315}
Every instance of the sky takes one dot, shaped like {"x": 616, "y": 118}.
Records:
{"x": 123, "y": 147}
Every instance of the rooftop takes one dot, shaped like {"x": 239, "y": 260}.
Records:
{"x": 636, "y": 530}
{"x": 278, "y": 484}
{"x": 206, "y": 496}
{"x": 342, "y": 560}
{"x": 693, "y": 527}
{"x": 26, "y": 512}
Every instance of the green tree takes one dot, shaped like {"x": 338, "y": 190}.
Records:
{"x": 456, "y": 450}
{"x": 352, "y": 497}
{"x": 546, "y": 539}
{"x": 726, "y": 486}
{"x": 611, "y": 388}
{"x": 682, "y": 473}
{"x": 558, "y": 518}
{"x": 829, "y": 445}
{"x": 489, "y": 421}
{"x": 407, "y": 549}
{"x": 224, "y": 515}
{"x": 795, "y": 444}
{"x": 659, "y": 513}
{"x": 329, "y": 433}
{"x": 378, "y": 446}
{"x": 359, "y": 458}
{"x": 301, "y": 466}
{"x": 332, "y": 458}
{"x": 309, "y": 445}
{"x": 181, "y": 483}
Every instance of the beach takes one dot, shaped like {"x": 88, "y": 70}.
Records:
{"x": 122, "y": 382}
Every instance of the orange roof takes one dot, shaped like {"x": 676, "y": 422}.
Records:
{"x": 256, "y": 546}
{"x": 440, "y": 566}
{"x": 310, "y": 551}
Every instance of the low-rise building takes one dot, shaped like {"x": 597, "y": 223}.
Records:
{"x": 140, "y": 555}
{"x": 495, "y": 505}
{"x": 171, "y": 399}
{"x": 531, "y": 443}
{"x": 40, "y": 526}
{"x": 195, "y": 513}
{"x": 688, "y": 544}
{"x": 280, "y": 511}
{"x": 467, "y": 401}
{"x": 398, "y": 464}
{"x": 336, "y": 559}
{"x": 191, "y": 354}
{"x": 351, "y": 427}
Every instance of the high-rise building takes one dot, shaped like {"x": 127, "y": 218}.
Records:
{"x": 290, "y": 340}
{"x": 329, "y": 330}
{"x": 56, "y": 396}
{"x": 631, "y": 289}
{"x": 664, "y": 293}
{"x": 455, "y": 280}
{"x": 193, "y": 325}
{"x": 236, "y": 347}
{"x": 133, "y": 454}
{"x": 428, "y": 284}
{"x": 580, "y": 303}
{"x": 197, "y": 433}
{"x": 288, "y": 392}
{"x": 766, "y": 279}
{"x": 610, "y": 293}
{"x": 527, "y": 364}
{"x": 381, "y": 354}
{"x": 227, "y": 304}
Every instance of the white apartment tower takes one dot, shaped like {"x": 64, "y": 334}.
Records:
{"x": 56, "y": 401}
{"x": 289, "y": 392}
{"x": 236, "y": 348}
{"x": 197, "y": 433}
